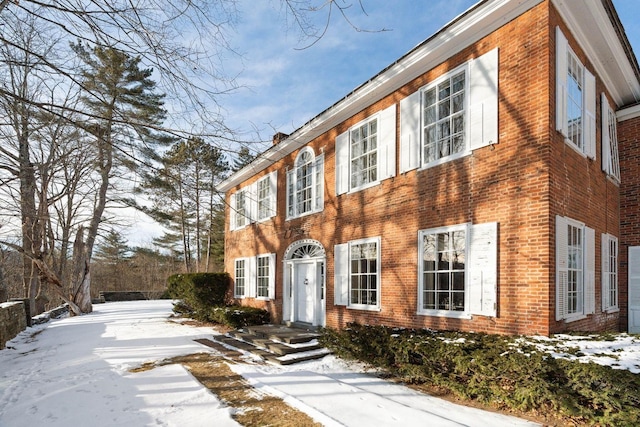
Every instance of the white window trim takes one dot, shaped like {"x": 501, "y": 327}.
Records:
{"x": 272, "y": 180}
{"x": 317, "y": 187}
{"x": 467, "y": 144}
{"x": 481, "y": 113}
{"x": 385, "y": 152}
{"x": 443, "y": 313}
{"x": 246, "y": 277}
{"x": 481, "y": 271}
{"x": 271, "y": 257}
{"x": 588, "y": 270}
{"x": 588, "y": 132}
{"x": 610, "y": 152}
{"x": 607, "y": 305}
{"x": 342, "y": 279}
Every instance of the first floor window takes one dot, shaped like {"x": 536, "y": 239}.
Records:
{"x": 609, "y": 273}
{"x": 458, "y": 270}
{"x": 443, "y": 270}
{"x": 575, "y": 269}
{"x": 364, "y": 274}
{"x": 241, "y": 278}
{"x": 357, "y": 274}
{"x": 263, "y": 276}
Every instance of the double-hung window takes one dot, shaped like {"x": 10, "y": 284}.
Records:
{"x": 255, "y": 202}
{"x": 357, "y": 274}
{"x": 609, "y": 273}
{"x": 575, "y": 99}
{"x": 266, "y": 196}
{"x": 610, "y": 157}
{"x": 366, "y": 152}
{"x": 240, "y": 282}
{"x": 443, "y": 269}
{"x": 451, "y": 116}
{"x": 444, "y": 117}
{"x": 255, "y": 277}
{"x": 305, "y": 184}
{"x": 457, "y": 270}
{"x": 240, "y": 209}
{"x": 575, "y": 269}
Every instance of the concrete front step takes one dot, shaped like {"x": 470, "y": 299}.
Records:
{"x": 277, "y": 344}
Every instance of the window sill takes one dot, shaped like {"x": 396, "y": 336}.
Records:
{"x": 575, "y": 318}
{"x": 575, "y": 147}
{"x": 364, "y": 307}
{"x": 445, "y": 313}
{"x": 444, "y": 160}
{"x": 289, "y": 218}
{"x": 611, "y": 310}
{"x": 363, "y": 187}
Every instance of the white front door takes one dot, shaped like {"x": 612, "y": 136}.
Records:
{"x": 305, "y": 291}
{"x": 634, "y": 290}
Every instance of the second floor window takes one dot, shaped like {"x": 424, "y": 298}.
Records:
{"x": 305, "y": 184}
{"x": 444, "y": 118}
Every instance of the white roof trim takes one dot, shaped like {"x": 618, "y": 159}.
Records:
{"x": 587, "y": 20}
{"x": 628, "y": 113}
{"x": 591, "y": 26}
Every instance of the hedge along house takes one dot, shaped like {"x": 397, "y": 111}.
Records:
{"x": 488, "y": 180}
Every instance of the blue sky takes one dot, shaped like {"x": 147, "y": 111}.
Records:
{"x": 284, "y": 85}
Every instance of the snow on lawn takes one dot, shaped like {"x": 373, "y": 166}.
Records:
{"x": 76, "y": 370}
{"x": 620, "y": 351}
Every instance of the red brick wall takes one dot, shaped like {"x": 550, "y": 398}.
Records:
{"x": 582, "y": 191}
{"x": 629, "y": 145}
{"x": 522, "y": 183}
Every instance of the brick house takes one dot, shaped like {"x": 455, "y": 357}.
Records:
{"x": 488, "y": 180}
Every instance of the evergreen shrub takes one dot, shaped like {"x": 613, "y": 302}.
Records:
{"x": 203, "y": 296}
{"x": 497, "y": 370}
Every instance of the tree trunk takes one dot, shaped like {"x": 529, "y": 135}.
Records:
{"x": 81, "y": 278}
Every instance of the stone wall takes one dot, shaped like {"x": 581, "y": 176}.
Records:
{"x": 13, "y": 320}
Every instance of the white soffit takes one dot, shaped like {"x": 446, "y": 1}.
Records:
{"x": 589, "y": 22}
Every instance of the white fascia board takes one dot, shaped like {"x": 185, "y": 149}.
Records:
{"x": 589, "y": 23}
{"x": 479, "y": 21}
{"x": 628, "y": 113}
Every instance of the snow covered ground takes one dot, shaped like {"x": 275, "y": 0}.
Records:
{"x": 75, "y": 371}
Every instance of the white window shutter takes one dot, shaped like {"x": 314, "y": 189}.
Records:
{"x": 273, "y": 189}
{"x": 387, "y": 143}
{"x": 562, "y": 273}
{"x": 483, "y": 100}
{"x": 341, "y": 274}
{"x": 590, "y": 270}
{"x": 482, "y": 269}
{"x": 251, "y": 203}
{"x": 562, "y": 47}
{"x": 604, "y": 273}
{"x": 272, "y": 276}
{"x": 342, "y": 163}
{"x": 251, "y": 277}
{"x": 590, "y": 114}
{"x": 604, "y": 124}
{"x": 410, "y": 128}
{"x": 232, "y": 212}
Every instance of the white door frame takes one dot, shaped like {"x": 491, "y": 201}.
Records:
{"x": 304, "y": 252}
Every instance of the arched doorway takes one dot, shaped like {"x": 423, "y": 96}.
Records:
{"x": 304, "y": 283}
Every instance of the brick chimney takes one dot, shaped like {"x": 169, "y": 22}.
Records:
{"x": 279, "y": 137}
